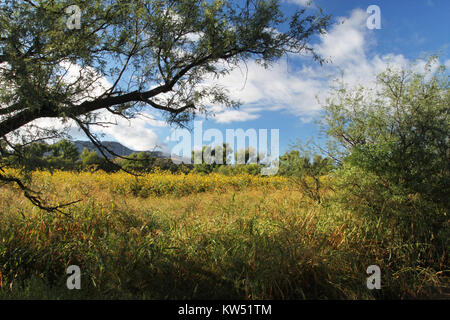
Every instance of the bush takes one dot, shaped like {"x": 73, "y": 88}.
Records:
{"x": 308, "y": 174}
{"x": 393, "y": 146}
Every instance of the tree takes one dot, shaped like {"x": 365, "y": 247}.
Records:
{"x": 140, "y": 162}
{"x": 90, "y": 159}
{"x": 249, "y": 156}
{"x": 221, "y": 154}
{"x": 394, "y": 148}
{"x": 155, "y": 53}
{"x": 203, "y": 160}
{"x": 306, "y": 170}
{"x": 209, "y": 158}
{"x": 61, "y": 155}
{"x": 32, "y": 156}
{"x": 166, "y": 164}
{"x": 65, "y": 149}
{"x": 64, "y": 155}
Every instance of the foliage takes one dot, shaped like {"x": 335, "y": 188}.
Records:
{"x": 141, "y": 161}
{"x": 248, "y": 156}
{"x": 171, "y": 46}
{"x": 306, "y": 173}
{"x": 62, "y": 155}
{"x": 394, "y": 149}
{"x": 237, "y": 169}
{"x": 90, "y": 158}
{"x": 209, "y": 159}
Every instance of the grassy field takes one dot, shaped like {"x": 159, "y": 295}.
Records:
{"x": 164, "y": 236}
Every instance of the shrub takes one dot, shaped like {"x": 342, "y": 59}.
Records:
{"x": 393, "y": 145}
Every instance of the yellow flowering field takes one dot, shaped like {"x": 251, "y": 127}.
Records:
{"x": 156, "y": 183}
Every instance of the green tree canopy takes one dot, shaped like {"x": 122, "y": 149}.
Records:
{"x": 65, "y": 150}
{"x": 296, "y": 163}
{"x": 90, "y": 158}
{"x": 394, "y": 146}
{"x": 140, "y": 161}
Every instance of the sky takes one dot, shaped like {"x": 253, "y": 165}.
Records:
{"x": 287, "y": 96}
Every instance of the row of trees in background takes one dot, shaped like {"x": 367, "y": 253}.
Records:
{"x": 64, "y": 155}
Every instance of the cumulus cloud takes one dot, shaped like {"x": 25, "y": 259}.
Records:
{"x": 95, "y": 84}
{"x": 301, "y": 2}
{"x": 297, "y": 90}
{"x": 229, "y": 116}
{"x": 137, "y": 133}
{"x": 134, "y": 134}
{"x": 346, "y": 41}
{"x": 270, "y": 89}
{"x": 447, "y": 64}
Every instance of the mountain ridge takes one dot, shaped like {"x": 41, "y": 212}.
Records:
{"x": 115, "y": 147}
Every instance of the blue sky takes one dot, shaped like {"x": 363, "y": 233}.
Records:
{"x": 283, "y": 97}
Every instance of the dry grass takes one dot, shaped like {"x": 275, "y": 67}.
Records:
{"x": 234, "y": 237}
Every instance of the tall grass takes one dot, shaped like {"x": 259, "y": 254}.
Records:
{"x": 165, "y": 236}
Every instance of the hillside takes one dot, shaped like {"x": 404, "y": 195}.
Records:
{"x": 115, "y": 147}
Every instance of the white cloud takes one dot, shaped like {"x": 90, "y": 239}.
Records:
{"x": 137, "y": 134}
{"x": 282, "y": 87}
{"x": 272, "y": 89}
{"x": 134, "y": 134}
{"x": 229, "y": 116}
{"x": 346, "y": 41}
{"x": 447, "y": 64}
{"x": 73, "y": 72}
{"x": 297, "y": 91}
{"x": 301, "y": 2}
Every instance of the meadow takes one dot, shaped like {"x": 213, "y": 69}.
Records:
{"x": 193, "y": 236}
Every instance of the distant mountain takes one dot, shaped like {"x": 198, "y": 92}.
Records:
{"x": 115, "y": 147}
